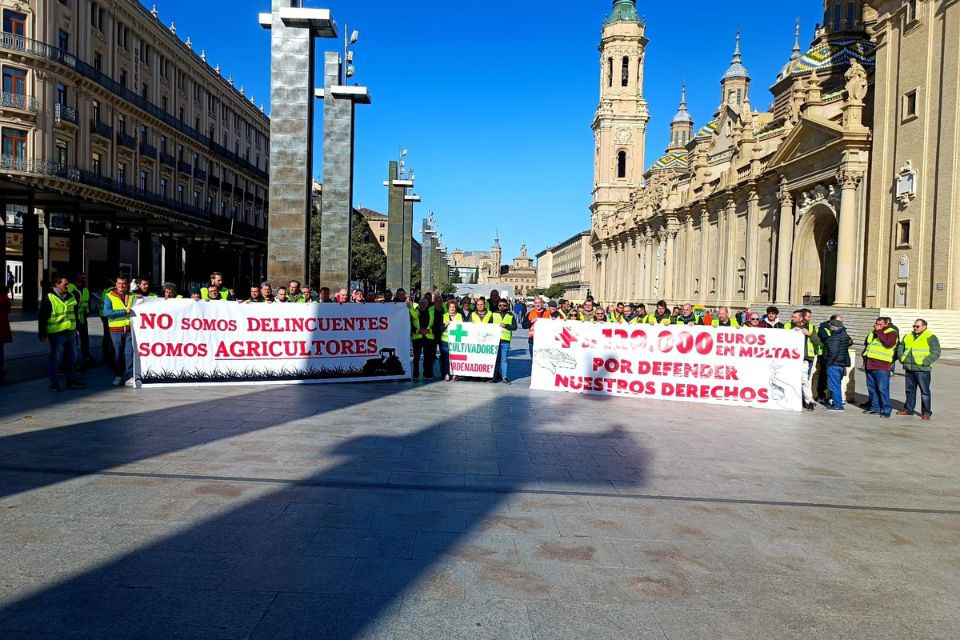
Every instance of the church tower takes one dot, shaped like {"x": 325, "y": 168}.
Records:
{"x": 736, "y": 81}
{"x": 681, "y": 127}
{"x": 620, "y": 124}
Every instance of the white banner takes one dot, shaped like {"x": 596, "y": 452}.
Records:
{"x": 188, "y": 341}
{"x": 717, "y": 365}
{"x": 473, "y": 349}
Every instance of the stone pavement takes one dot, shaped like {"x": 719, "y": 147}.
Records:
{"x": 469, "y": 510}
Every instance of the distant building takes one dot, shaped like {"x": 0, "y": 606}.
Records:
{"x": 521, "y": 275}
{"x": 569, "y": 263}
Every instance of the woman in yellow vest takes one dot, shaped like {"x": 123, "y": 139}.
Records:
{"x": 450, "y": 316}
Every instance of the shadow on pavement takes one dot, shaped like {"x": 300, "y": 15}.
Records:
{"x": 321, "y": 558}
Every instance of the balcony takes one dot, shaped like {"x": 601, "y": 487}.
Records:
{"x": 63, "y": 113}
{"x": 226, "y": 185}
{"x": 184, "y": 167}
{"x": 101, "y": 129}
{"x": 199, "y": 174}
{"x": 148, "y": 150}
{"x": 126, "y": 140}
{"x": 42, "y": 167}
{"x": 167, "y": 159}
{"x": 20, "y": 102}
{"x": 214, "y": 181}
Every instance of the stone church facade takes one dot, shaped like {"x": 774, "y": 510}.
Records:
{"x": 845, "y": 192}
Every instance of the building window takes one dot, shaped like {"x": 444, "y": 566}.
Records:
{"x": 14, "y": 81}
{"x": 625, "y": 72}
{"x": 180, "y": 193}
{"x": 62, "y": 154}
{"x": 609, "y": 72}
{"x": 144, "y": 180}
{"x": 912, "y": 13}
{"x": 122, "y": 173}
{"x": 96, "y": 163}
{"x": 903, "y": 233}
{"x": 621, "y": 164}
{"x": 851, "y": 16}
{"x": 63, "y": 40}
{"x": 196, "y": 199}
{"x": 14, "y": 23}
{"x": 61, "y": 94}
{"x": 122, "y": 123}
{"x": 145, "y": 91}
{"x": 382, "y": 238}
{"x": 765, "y": 282}
{"x": 98, "y": 61}
{"x": 14, "y": 143}
{"x": 123, "y": 78}
{"x": 909, "y": 105}
{"x": 163, "y": 187}
{"x": 739, "y": 97}
{"x": 163, "y": 103}
{"x": 95, "y": 105}
{"x": 837, "y": 13}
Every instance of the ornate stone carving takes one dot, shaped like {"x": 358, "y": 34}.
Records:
{"x": 783, "y": 195}
{"x": 826, "y": 194}
{"x": 856, "y": 78}
{"x": 906, "y": 184}
{"x": 849, "y": 178}
{"x": 623, "y": 135}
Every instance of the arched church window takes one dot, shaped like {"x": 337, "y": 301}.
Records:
{"x": 837, "y": 12}
{"x": 851, "y": 16}
{"x": 739, "y": 97}
{"x": 621, "y": 164}
{"x": 625, "y": 72}
{"x": 609, "y": 72}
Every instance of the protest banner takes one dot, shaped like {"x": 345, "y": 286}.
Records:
{"x": 187, "y": 341}
{"x": 473, "y": 349}
{"x": 717, "y": 365}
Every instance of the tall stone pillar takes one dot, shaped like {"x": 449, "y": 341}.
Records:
{"x": 633, "y": 268}
{"x": 291, "y": 133}
{"x": 649, "y": 269}
{"x": 753, "y": 266}
{"x": 396, "y": 190}
{"x": 426, "y": 258}
{"x": 846, "y": 239}
{"x": 690, "y": 254}
{"x": 731, "y": 253}
{"x": 784, "y": 247}
{"x": 703, "y": 270}
{"x": 336, "y": 214}
{"x": 407, "y": 275}
{"x": 722, "y": 249}
{"x": 670, "y": 261}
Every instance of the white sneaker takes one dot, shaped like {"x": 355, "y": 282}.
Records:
{"x": 130, "y": 383}
{"x": 117, "y": 381}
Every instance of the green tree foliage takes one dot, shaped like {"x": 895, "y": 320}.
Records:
{"x": 554, "y": 291}
{"x": 415, "y": 278}
{"x": 367, "y": 262}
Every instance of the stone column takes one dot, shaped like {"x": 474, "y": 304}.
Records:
{"x": 689, "y": 259}
{"x": 730, "y": 255}
{"x": 407, "y": 275}
{"x": 634, "y": 267}
{"x": 703, "y": 269}
{"x": 395, "y": 193}
{"x": 291, "y": 146}
{"x": 426, "y": 258}
{"x": 723, "y": 248}
{"x": 846, "y": 238}
{"x": 336, "y": 214}
{"x": 670, "y": 262}
{"x": 753, "y": 217}
{"x": 31, "y": 257}
{"x": 784, "y": 247}
{"x": 648, "y": 269}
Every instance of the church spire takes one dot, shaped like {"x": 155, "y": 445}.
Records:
{"x": 796, "y": 43}
{"x": 736, "y": 68}
{"x": 623, "y": 11}
{"x": 736, "y": 81}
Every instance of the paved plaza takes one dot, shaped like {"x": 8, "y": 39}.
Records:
{"x": 468, "y": 510}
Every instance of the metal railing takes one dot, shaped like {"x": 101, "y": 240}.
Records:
{"x": 41, "y": 167}
{"x": 63, "y": 113}
{"x": 184, "y": 167}
{"x": 148, "y": 150}
{"x": 21, "y": 44}
{"x": 19, "y": 101}
{"x": 126, "y": 140}
{"x": 167, "y": 159}
{"x": 200, "y": 174}
{"x": 101, "y": 129}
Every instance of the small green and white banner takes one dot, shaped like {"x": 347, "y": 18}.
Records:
{"x": 473, "y": 349}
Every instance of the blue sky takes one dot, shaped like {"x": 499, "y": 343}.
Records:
{"x": 494, "y": 99}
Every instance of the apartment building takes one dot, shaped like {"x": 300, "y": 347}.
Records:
{"x": 121, "y": 140}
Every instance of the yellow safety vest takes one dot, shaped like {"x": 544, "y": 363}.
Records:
{"x": 505, "y": 334}
{"x": 205, "y": 294}
{"x": 585, "y": 317}
{"x": 62, "y": 315}
{"x": 733, "y": 322}
{"x": 615, "y": 317}
{"x": 652, "y": 319}
{"x": 811, "y": 352}
{"x": 84, "y": 307}
{"x": 447, "y": 320}
{"x": 116, "y": 303}
{"x": 486, "y": 318}
{"x": 919, "y": 346}
{"x": 560, "y": 312}
{"x": 875, "y": 349}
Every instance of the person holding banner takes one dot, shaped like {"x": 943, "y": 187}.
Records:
{"x": 508, "y": 324}
{"x": 116, "y": 309}
{"x": 724, "y": 319}
{"x": 423, "y": 319}
{"x": 451, "y": 315}
{"x": 538, "y": 312}
{"x": 811, "y": 345}
{"x": 687, "y": 316}
{"x": 480, "y": 313}
{"x": 661, "y": 315}
{"x": 216, "y": 279}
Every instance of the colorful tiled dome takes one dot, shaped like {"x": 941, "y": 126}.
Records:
{"x": 707, "y": 130}
{"x": 833, "y": 54}
{"x": 671, "y": 161}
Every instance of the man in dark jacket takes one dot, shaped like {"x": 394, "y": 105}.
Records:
{"x": 836, "y": 358}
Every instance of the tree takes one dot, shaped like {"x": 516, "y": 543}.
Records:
{"x": 368, "y": 265}
{"x": 448, "y": 288}
{"x": 455, "y": 277}
{"x": 415, "y": 278}
{"x": 555, "y": 291}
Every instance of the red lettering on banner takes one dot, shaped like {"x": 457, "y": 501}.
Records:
{"x": 162, "y": 321}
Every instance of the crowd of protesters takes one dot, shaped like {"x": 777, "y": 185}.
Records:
{"x": 66, "y": 307}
